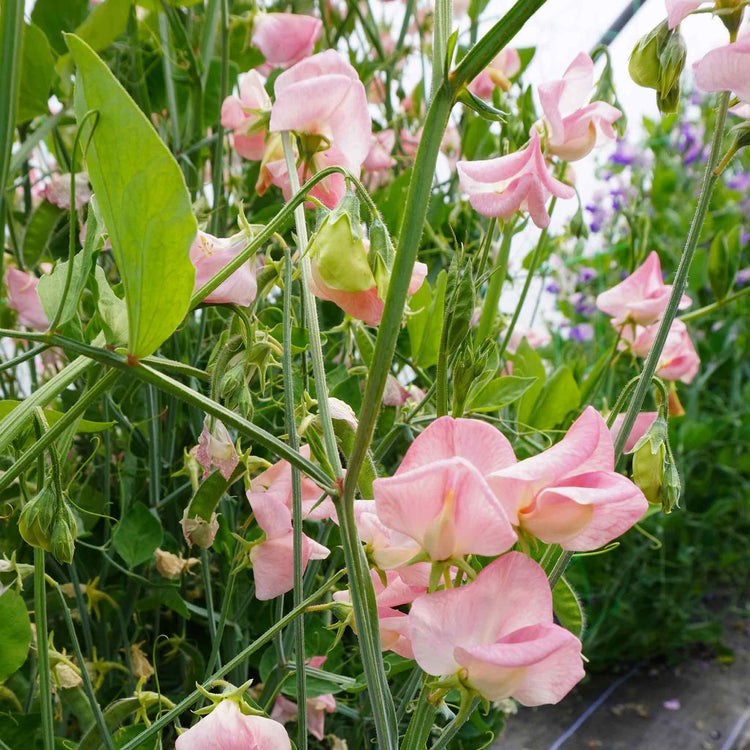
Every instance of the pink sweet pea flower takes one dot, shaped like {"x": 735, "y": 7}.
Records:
{"x": 642, "y": 422}
{"x": 323, "y": 97}
{"x": 394, "y": 394}
{"x": 245, "y": 113}
{"x": 439, "y": 496}
{"x": 678, "y": 360}
{"x": 677, "y": 10}
{"x": 393, "y": 624}
{"x": 365, "y": 306}
{"x": 276, "y": 482}
{"x": 216, "y": 448}
{"x": 497, "y": 74}
{"x": 570, "y": 493}
{"x": 57, "y": 190}
{"x": 573, "y": 126}
{"x": 517, "y": 182}
{"x": 273, "y": 559}
{"x": 227, "y": 728}
{"x": 641, "y": 298}
{"x": 379, "y": 156}
{"x": 533, "y": 338}
{"x": 497, "y": 634}
{"x": 24, "y": 299}
{"x": 284, "y": 38}
{"x": 726, "y": 69}
{"x": 209, "y": 255}
{"x": 316, "y": 707}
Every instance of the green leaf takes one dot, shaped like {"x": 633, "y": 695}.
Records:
{"x": 51, "y": 287}
{"x": 15, "y": 633}
{"x": 39, "y": 231}
{"x": 144, "y": 203}
{"x": 54, "y": 17}
{"x": 137, "y": 535}
{"x": 528, "y": 364}
{"x": 558, "y": 398}
{"x": 168, "y": 596}
{"x": 567, "y": 608}
{"x": 112, "y": 311}
{"x": 499, "y": 392}
{"x": 425, "y": 321}
{"x": 37, "y": 71}
{"x": 84, "y": 426}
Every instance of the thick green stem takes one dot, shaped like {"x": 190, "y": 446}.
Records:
{"x": 422, "y": 720}
{"x": 443, "y": 21}
{"x": 680, "y": 280}
{"x": 217, "y": 167}
{"x": 10, "y": 75}
{"x": 360, "y": 583}
{"x": 291, "y": 429}
{"x": 42, "y": 651}
{"x": 248, "y": 651}
{"x": 467, "y": 709}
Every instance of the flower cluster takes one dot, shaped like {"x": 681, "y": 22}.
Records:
{"x": 636, "y": 305}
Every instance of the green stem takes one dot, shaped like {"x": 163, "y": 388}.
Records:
{"x": 216, "y": 645}
{"x": 23, "y": 357}
{"x": 680, "y": 281}
{"x": 535, "y": 260}
{"x": 291, "y": 430}
{"x": 42, "y": 651}
{"x": 10, "y": 76}
{"x": 248, "y": 651}
{"x": 184, "y": 393}
{"x": 466, "y": 710}
{"x": 169, "y": 87}
{"x": 88, "y": 688}
{"x": 497, "y": 279}
{"x": 441, "y": 380}
{"x": 58, "y": 428}
{"x": 441, "y": 33}
{"x": 360, "y": 583}
{"x": 217, "y": 168}
{"x": 708, "y": 309}
{"x": 422, "y": 720}
{"x": 205, "y": 563}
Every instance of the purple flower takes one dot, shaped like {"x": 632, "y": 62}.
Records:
{"x": 624, "y": 154}
{"x": 742, "y": 277}
{"x": 553, "y": 287}
{"x": 586, "y": 274}
{"x": 582, "y": 332}
{"x": 739, "y": 182}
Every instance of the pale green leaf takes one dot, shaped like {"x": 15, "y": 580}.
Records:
{"x": 15, "y": 633}
{"x": 137, "y": 535}
{"x": 143, "y": 200}
{"x": 567, "y": 608}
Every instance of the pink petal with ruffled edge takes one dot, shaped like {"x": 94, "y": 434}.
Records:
{"x": 726, "y": 69}
{"x": 446, "y": 507}
{"x": 478, "y": 442}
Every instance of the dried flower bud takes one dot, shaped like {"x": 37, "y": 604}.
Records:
{"x": 198, "y": 531}
{"x": 142, "y": 669}
{"x": 172, "y": 566}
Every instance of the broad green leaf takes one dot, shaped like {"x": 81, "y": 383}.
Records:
{"x": 169, "y": 596}
{"x": 499, "y": 392}
{"x": 137, "y": 535}
{"x": 112, "y": 311}
{"x": 37, "y": 71}
{"x": 15, "y": 633}
{"x": 84, "y": 426}
{"x": 144, "y": 203}
{"x": 54, "y": 17}
{"x": 39, "y": 231}
{"x": 558, "y": 398}
{"x": 528, "y": 364}
{"x": 567, "y": 608}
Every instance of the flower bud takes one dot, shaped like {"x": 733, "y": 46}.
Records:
{"x": 731, "y": 20}
{"x": 649, "y": 456}
{"x": 37, "y": 517}
{"x": 657, "y": 63}
{"x": 339, "y": 251}
{"x": 198, "y": 531}
{"x": 64, "y": 532}
{"x": 460, "y": 298}
{"x": 722, "y": 265}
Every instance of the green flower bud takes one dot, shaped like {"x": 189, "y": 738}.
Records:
{"x": 670, "y": 104}
{"x": 672, "y": 487}
{"x": 62, "y": 540}
{"x": 644, "y": 66}
{"x": 649, "y": 455}
{"x": 722, "y": 262}
{"x": 339, "y": 251}
{"x": 733, "y": 20}
{"x": 37, "y": 518}
{"x": 672, "y": 63}
{"x": 459, "y": 296}
{"x": 578, "y": 226}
